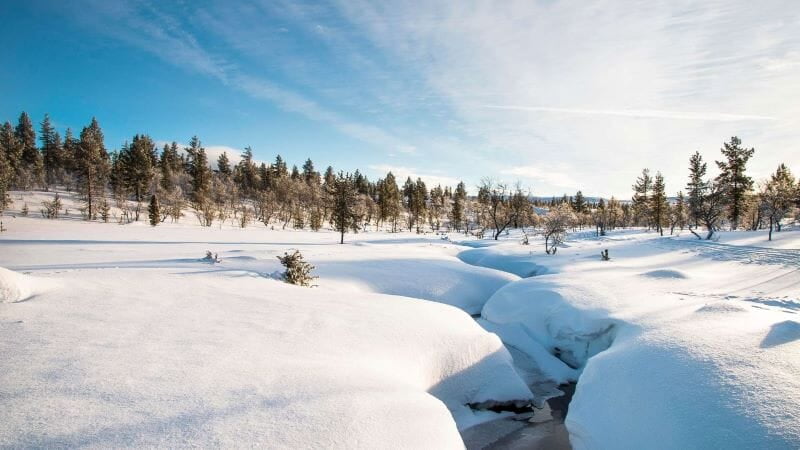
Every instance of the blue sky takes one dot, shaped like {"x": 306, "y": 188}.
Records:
{"x": 556, "y": 95}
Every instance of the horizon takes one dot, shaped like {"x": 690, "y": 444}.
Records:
{"x": 514, "y": 92}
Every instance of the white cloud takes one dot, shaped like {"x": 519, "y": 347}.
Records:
{"x": 557, "y": 178}
{"x": 402, "y": 173}
{"x": 637, "y": 113}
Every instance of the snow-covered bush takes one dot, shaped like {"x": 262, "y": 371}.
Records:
{"x": 297, "y": 271}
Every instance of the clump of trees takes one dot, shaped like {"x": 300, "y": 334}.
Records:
{"x": 180, "y": 181}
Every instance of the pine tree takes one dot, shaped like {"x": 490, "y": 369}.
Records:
{"x": 678, "y": 213}
{"x": 641, "y": 203}
{"x": 457, "y": 215}
{"x": 279, "y": 169}
{"x": 5, "y": 179}
{"x": 224, "y": 166}
{"x": 697, "y": 186}
{"x": 389, "y": 200}
{"x": 199, "y": 171}
{"x": 12, "y": 152}
{"x": 777, "y": 197}
{"x": 136, "y": 166}
{"x": 343, "y": 199}
{"x": 31, "y": 158}
{"x": 310, "y": 175}
{"x": 154, "y": 211}
{"x": 51, "y": 149}
{"x": 732, "y": 179}
{"x": 658, "y": 203}
{"x": 93, "y": 166}
{"x": 579, "y": 203}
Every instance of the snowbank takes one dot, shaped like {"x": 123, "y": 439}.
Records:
{"x": 676, "y": 348}
{"x": 15, "y": 287}
{"x": 142, "y": 344}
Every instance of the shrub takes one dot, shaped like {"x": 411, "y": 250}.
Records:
{"x": 297, "y": 271}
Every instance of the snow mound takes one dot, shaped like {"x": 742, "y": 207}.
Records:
{"x": 521, "y": 265}
{"x": 782, "y": 333}
{"x": 720, "y": 307}
{"x": 665, "y": 274}
{"x": 15, "y": 287}
{"x": 547, "y": 312}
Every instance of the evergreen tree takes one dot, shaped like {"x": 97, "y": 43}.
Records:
{"x": 697, "y": 186}
{"x": 658, "y": 203}
{"x": 343, "y": 199}
{"x": 579, "y": 203}
{"x": 247, "y": 174}
{"x": 735, "y": 184}
{"x": 13, "y": 153}
{"x": 5, "y": 179}
{"x": 457, "y": 213}
{"x": 31, "y": 158}
{"x": 92, "y": 167}
{"x": 51, "y": 149}
{"x": 310, "y": 175}
{"x": 641, "y": 203}
{"x": 135, "y": 167}
{"x": 199, "y": 171}
{"x": 777, "y": 197}
{"x": 389, "y": 200}
{"x": 224, "y": 165}
{"x": 279, "y": 169}
{"x": 154, "y": 211}
{"x": 678, "y": 213}
{"x": 295, "y": 174}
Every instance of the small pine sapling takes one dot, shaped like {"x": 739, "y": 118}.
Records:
{"x": 213, "y": 257}
{"x": 298, "y": 272}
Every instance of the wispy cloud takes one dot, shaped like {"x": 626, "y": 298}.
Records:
{"x": 477, "y": 87}
{"x": 638, "y": 113}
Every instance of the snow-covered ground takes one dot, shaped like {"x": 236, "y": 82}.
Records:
{"x": 121, "y": 335}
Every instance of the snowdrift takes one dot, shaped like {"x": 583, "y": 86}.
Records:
{"x": 185, "y": 358}
{"x": 16, "y": 287}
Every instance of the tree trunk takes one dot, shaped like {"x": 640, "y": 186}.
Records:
{"x": 770, "y": 228}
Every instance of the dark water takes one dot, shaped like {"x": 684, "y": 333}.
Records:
{"x": 544, "y": 430}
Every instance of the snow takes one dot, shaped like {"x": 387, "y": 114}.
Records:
{"x": 686, "y": 348}
{"x": 123, "y": 336}
{"x": 15, "y": 287}
{"x": 141, "y": 342}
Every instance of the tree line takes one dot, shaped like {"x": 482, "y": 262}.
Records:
{"x": 167, "y": 183}
{"x": 732, "y": 199}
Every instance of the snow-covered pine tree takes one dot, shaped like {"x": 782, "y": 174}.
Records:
{"x": 298, "y": 271}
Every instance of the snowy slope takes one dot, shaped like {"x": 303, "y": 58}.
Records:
{"x": 703, "y": 350}
{"x": 141, "y": 343}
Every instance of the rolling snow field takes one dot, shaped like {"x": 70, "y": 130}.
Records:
{"x": 124, "y": 336}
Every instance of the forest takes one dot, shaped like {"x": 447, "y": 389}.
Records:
{"x": 139, "y": 181}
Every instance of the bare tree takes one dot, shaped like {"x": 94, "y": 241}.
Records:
{"x": 554, "y": 227}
